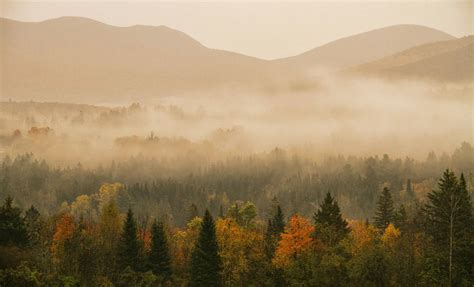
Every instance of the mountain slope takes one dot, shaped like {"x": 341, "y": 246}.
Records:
{"x": 366, "y": 47}
{"x": 451, "y": 60}
{"x": 73, "y": 58}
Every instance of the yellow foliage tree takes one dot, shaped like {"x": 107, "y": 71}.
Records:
{"x": 183, "y": 243}
{"x": 239, "y": 247}
{"x": 361, "y": 237}
{"x": 391, "y": 235}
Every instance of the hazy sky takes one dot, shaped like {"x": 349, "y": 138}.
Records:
{"x": 264, "y": 29}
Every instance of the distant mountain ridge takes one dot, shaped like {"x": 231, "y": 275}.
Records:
{"x": 72, "y": 57}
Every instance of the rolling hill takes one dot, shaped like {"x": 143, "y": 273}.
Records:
{"x": 366, "y": 47}
{"x": 447, "y": 61}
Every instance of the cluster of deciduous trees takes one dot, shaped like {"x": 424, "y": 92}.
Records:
{"x": 428, "y": 244}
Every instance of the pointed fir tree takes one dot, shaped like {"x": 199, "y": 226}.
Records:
{"x": 409, "y": 190}
{"x": 400, "y": 218}
{"x": 450, "y": 224}
{"x": 205, "y": 259}
{"x": 159, "y": 257}
{"x": 33, "y": 224}
{"x": 129, "y": 246}
{"x": 330, "y": 226}
{"x": 384, "y": 212}
{"x": 278, "y": 222}
{"x": 275, "y": 227}
{"x": 13, "y": 229}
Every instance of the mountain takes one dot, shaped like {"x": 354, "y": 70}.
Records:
{"x": 71, "y": 59}
{"x": 366, "y": 47}
{"x": 447, "y": 61}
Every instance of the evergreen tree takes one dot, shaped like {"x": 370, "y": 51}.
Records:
{"x": 278, "y": 222}
{"x": 330, "y": 226}
{"x": 33, "y": 224}
{"x": 409, "y": 190}
{"x": 450, "y": 225}
{"x": 159, "y": 257}
{"x": 205, "y": 260}
{"x": 275, "y": 227}
{"x": 384, "y": 212}
{"x": 129, "y": 246}
{"x": 12, "y": 226}
{"x": 400, "y": 218}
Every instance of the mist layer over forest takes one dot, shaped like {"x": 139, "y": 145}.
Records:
{"x": 343, "y": 116}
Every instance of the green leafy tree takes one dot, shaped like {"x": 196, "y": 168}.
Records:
{"x": 159, "y": 257}
{"x": 384, "y": 212}
{"x": 370, "y": 268}
{"x": 450, "y": 225}
{"x": 330, "y": 226}
{"x": 129, "y": 246}
{"x": 205, "y": 259}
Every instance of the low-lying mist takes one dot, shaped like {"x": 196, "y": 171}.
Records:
{"x": 345, "y": 116}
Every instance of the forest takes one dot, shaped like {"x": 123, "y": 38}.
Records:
{"x": 270, "y": 219}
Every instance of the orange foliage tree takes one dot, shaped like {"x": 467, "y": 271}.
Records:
{"x": 297, "y": 239}
{"x": 65, "y": 227}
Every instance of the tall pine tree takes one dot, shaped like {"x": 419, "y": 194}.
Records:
{"x": 129, "y": 246}
{"x": 159, "y": 257}
{"x": 330, "y": 226}
{"x": 384, "y": 212}
{"x": 205, "y": 260}
{"x": 450, "y": 224}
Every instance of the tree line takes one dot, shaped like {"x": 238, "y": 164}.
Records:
{"x": 172, "y": 189}
{"x": 428, "y": 244}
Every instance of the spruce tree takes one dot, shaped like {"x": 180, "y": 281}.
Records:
{"x": 129, "y": 246}
{"x": 278, "y": 222}
{"x": 205, "y": 260}
{"x": 275, "y": 227}
{"x": 13, "y": 229}
{"x": 409, "y": 190}
{"x": 384, "y": 212}
{"x": 159, "y": 257}
{"x": 450, "y": 225}
{"x": 330, "y": 226}
{"x": 400, "y": 218}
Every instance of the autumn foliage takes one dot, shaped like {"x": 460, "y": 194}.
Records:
{"x": 296, "y": 239}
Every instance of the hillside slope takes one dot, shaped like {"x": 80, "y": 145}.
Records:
{"x": 450, "y": 61}
{"x": 366, "y": 47}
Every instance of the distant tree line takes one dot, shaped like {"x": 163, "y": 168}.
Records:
{"x": 173, "y": 191}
